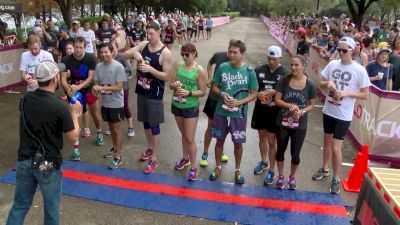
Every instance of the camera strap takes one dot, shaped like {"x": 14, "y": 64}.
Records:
{"x": 24, "y": 121}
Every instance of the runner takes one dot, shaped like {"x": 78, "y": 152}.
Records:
{"x": 209, "y": 25}
{"x": 154, "y": 68}
{"x": 201, "y": 23}
{"x": 237, "y": 85}
{"x": 347, "y": 81}
{"x": 170, "y": 34}
{"x": 211, "y": 103}
{"x": 184, "y": 22}
{"x": 295, "y": 95}
{"x": 75, "y": 30}
{"x": 108, "y": 79}
{"x": 179, "y": 32}
{"x": 81, "y": 68}
{"x": 89, "y": 37}
{"x": 188, "y": 83}
{"x": 30, "y": 59}
{"x": 268, "y": 76}
{"x": 105, "y": 34}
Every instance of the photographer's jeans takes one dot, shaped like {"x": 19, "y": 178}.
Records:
{"x": 27, "y": 181}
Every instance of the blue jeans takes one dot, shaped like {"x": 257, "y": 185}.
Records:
{"x": 27, "y": 181}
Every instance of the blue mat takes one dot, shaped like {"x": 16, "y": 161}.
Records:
{"x": 247, "y": 204}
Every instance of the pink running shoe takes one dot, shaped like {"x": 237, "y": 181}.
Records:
{"x": 151, "y": 167}
{"x": 146, "y": 155}
{"x": 193, "y": 174}
{"x": 182, "y": 164}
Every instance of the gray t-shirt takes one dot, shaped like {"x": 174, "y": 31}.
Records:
{"x": 110, "y": 75}
{"x": 296, "y": 97}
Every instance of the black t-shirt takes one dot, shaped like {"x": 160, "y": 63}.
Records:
{"x": 395, "y": 61}
{"x": 268, "y": 80}
{"x": 137, "y": 35}
{"x": 296, "y": 97}
{"x": 79, "y": 69}
{"x": 217, "y": 59}
{"x": 47, "y": 118}
{"x": 105, "y": 36}
{"x": 63, "y": 43}
{"x": 303, "y": 48}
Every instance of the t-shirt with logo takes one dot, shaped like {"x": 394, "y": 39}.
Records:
{"x": 237, "y": 83}
{"x": 104, "y": 36}
{"x": 110, "y": 75}
{"x": 137, "y": 35}
{"x": 351, "y": 78}
{"x": 29, "y": 63}
{"x": 89, "y": 38}
{"x": 268, "y": 80}
{"x": 295, "y": 97}
{"x": 79, "y": 69}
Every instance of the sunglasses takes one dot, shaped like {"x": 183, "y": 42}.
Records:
{"x": 342, "y": 50}
{"x": 185, "y": 54}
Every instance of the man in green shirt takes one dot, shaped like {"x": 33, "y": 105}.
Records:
{"x": 236, "y": 84}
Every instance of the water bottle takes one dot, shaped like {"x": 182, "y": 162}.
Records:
{"x": 77, "y": 97}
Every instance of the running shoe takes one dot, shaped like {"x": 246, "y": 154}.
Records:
{"x": 146, "y": 155}
{"x": 107, "y": 132}
{"x": 76, "y": 155}
{"x": 280, "y": 183}
{"x": 335, "y": 186}
{"x": 99, "y": 139}
{"x": 115, "y": 163}
{"x": 224, "y": 158}
{"x": 239, "y": 179}
{"x": 269, "y": 179}
{"x": 321, "y": 173}
{"x": 151, "y": 167}
{"x": 131, "y": 132}
{"x": 261, "y": 166}
{"x": 192, "y": 174}
{"x": 204, "y": 160}
{"x": 85, "y": 132}
{"x": 215, "y": 174}
{"x": 109, "y": 153}
{"x": 292, "y": 183}
{"x": 182, "y": 164}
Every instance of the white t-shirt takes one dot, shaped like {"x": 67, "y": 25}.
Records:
{"x": 350, "y": 77}
{"x": 29, "y": 63}
{"x": 89, "y": 37}
{"x": 76, "y": 34}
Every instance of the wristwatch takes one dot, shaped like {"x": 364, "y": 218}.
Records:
{"x": 190, "y": 93}
{"x": 303, "y": 112}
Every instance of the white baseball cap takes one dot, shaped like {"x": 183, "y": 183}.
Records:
{"x": 348, "y": 41}
{"x": 274, "y": 51}
{"x": 47, "y": 70}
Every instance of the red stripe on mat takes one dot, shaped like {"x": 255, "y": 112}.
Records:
{"x": 207, "y": 195}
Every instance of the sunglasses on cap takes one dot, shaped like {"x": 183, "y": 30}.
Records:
{"x": 343, "y": 50}
{"x": 186, "y": 54}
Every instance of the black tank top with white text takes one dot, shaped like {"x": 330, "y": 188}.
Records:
{"x": 148, "y": 85}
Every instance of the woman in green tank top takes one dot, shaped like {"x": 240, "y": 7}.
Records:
{"x": 188, "y": 83}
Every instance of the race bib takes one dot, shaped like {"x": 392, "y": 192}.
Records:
{"x": 290, "y": 122}
{"x": 230, "y": 109}
{"x": 179, "y": 99}
{"x": 105, "y": 92}
{"x": 106, "y": 40}
{"x": 144, "y": 83}
{"x": 332, "y": 100}
{"x": 267, "y": 101}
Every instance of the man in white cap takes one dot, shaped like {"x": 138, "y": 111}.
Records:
{"x": 268, "y": 76}
{"x": 44, "y": 119}
{"x": 346, "y": 81}
{"x": 76, "y": 30}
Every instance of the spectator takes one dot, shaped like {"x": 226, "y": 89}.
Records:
{"x": 394, "y": 59}
{"x": 369, "y": 48}
{"x": 380, "y": 72}
{"x": 383, "y": 34}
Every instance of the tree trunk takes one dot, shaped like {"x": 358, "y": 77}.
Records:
{"x": 82, "y": 8}
{"x": 66, "y": 10}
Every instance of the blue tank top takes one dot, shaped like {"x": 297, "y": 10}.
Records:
{"x": 148, "y": 85}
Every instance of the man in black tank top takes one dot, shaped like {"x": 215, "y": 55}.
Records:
{"x": 154, "y": 63}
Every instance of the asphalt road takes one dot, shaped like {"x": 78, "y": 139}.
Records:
{"x": 85, "y": 212}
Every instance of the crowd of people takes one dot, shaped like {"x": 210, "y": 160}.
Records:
{"x": 95, "y": 78}
{"x": 377, "y": 48}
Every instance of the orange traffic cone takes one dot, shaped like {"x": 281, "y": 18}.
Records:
{"x": 356, "y": 175}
